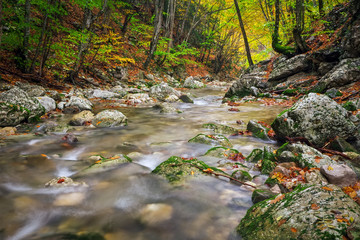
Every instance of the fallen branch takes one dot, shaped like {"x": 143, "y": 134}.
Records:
{"x": 323, "y": 150}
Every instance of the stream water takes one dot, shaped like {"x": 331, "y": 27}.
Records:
{"x": 127, "y": 202}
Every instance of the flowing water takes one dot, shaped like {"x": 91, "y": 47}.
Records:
{"x": 127, "y": 202}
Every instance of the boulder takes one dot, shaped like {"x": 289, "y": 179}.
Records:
{"x": 221, "y": 152}
{"x": 7, "y": 131}
{"x": 79, "y": 102}
{"x": 339, "y": 174}
{"x": 309, "y": 212}
{"x": 163, "y": 91}
{"x": 260, "y": 195}
{"x": 216, "y": 140}
{"x": 47, "y": 102}
{"x": 137, "y": 98}
{"x": 243, "y": 86}
{"x": 31, "y": 90}
{"x": 166, "y": 108}
{"x": 82, "y": 117}
{"x": 316, "y": 117}
{"x": 347, "y": 71}
{"x": 17, "y": 106}
{"x": 109, "y": 118}
{"x": 289, "y": 67}
{"x": 61, "y": 182}
{"x": 98, "y": 93}
{"x": 186, "y": 99}
{"x": 303, "y": 155}
{"x": 190, "y": 82}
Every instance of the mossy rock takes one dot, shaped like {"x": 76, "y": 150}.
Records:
{"x": 72, "y": 236}
{"x": 258, "y": 130}
{"x": 309, "y": 212}
{"x": 176, "y": 169}
{"x": 215, "y": 139}
{"x": 261, "y": 195}
{"x": 350, "y": 106}
{"x": 105, "y": 164}
{"x": 242, "y": 175}
{"x": 221, "y": 152}
{"x": 258, "y": 154}
{"x": 220, "y": 128}
{"x": 267, "y": 166}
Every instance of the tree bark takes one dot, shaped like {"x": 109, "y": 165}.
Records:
{"x": 1, "y": 19}
{"x": 247, "y": 47}
{"x": 321, "y": 8}
{"x": 299, "y": 27}
{"x": 276, "y": 45}
{"x": 159, "y": 6}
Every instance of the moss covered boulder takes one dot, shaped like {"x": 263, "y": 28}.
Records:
{"x": 214, "y": 140}
{"x": 303, "y": 155}
{"x": 221, "y": 152}
{"x": 176, "y": 169}
{"x": 315, "y": 117}
{"x": 311, "y": 212}
{"x": 267, "y": 158}
{"x": 17, "y": 106}
{"x": 220, "y": 128}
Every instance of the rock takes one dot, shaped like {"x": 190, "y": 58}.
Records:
{"x": 16, "y": 106}
{"x": 339, "y": 174}
{"x": 296, "y": 82}
{"x": 176, "y": 170}
{"x": 155, "y": 214}
{"x": 303, "y": 155}
{"x": 242, "y": 87}
{"x": 150, "y": 77}
{"x": 242, "y": 175}
{"x": 316, "y": 117}
{"x": 61, "y": 182}
{"x": 190, "y": 82}
{"x": 333, "y": 93}
{"x": 162, "y": 91}
{"x": 105, "y": 164}
{"x": 309, "y": 212}
{"x": 289, "y": 67}
{"x": 69, "y": 199}
{"x": 351, "y": 42}
{"x": 258, "y": 130}
{"x": 98, "y": 93}
{"x": 186, "y": 99}
{"x": 69, "y": 138}
{"x": 347, "y": 71}
{"x": 216, "y": 139}
{"x": 31, "y": 90}
{"x": 138, "y": 98}
{"x": 109, "y": 118}
{"x": 258, "y": 154}
{"x": 165, "y": 108}
{"x": 315, "y": 177}
{"x": 79, "y": 102}
{"x": 50, "y": 127}
{"x": 325, "y": 67}
{"x": 6, "y": 131}
{"x": 220, "y": 128}
{"x": 284, "y": 168}
{"x": 47, "y": 102}
{"x": 341, "y": 145}
{"x": 221, "y": 152}
{"x": 260, "y": 195}
{"x": 81, "y": 118}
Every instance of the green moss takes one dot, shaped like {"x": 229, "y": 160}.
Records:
{"x": 350, "y": 106}
{"x": 291, "y": 92}
{"x": 216, "y": 139}
{"x": 255, "y": 156}
{"x": 267, "y": 166}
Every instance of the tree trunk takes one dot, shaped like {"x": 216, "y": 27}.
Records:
{"x": 247, "y": 47}
{"x": 159, "y": 6}
{"x": 321, "y": 8}
{"x": 299, "y": 27}
{"x": 276, "y": 45}
{"x": 181, "y": 32}
{"x": 1, "y": 19}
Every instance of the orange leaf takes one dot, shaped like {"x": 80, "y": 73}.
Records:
{"x": 98, "y": 122}
{"x": 293, "y": 230}
{"x": 327, "y": 189}
{"x": 277, "y": 199}
{"x": 314, "y": 206}
{"x": 317, "y": 159}
{"x": 98, "y": 161}
{"x": 43, "y": 155}
{"x": 281, "y": 222}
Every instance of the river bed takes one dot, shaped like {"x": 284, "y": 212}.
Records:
{"x": 127, "y": 202}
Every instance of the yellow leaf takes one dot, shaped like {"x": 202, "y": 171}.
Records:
{"x": 192, "y": 172}
{"x": 330, "y": 168}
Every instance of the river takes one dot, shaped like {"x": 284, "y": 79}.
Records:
{"x": 127, "y": 202}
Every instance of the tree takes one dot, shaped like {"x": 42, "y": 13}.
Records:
{"x": 247, "y": 48}
{"x": 299, "y": 27}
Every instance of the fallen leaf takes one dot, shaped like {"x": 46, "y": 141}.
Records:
{"x": 330, "y": 168}
{"x": 98, "y": 161}
{"x": 317, "y": 159}
{"x": 277, "y": 199}
{"x": 314, "y": 206}
{"x": 281, "y": 222}
{"x": 44, "y": 155}
{"x": 61, "y": 180}
{"x": 327, "y": 188}
{"x": 293, "y": 230}
{"x": 192, "y": 172}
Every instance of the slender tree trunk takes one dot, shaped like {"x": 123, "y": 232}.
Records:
{"x": 263, "y": 11}
{"x": 321, "y": 8}
{"x": 1, "y": 19}
{"x": 126, "y": 23}
{"x": 276, "y": 45}
{"x": 299, "y": 27}
{"x": 247, "y": 47}
{"x": 27, "y": 26}
{"x": 181, "y": 32}
{"x": 159, "y": 6}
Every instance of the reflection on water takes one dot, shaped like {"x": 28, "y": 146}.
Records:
{"x": 127, "y": 202}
